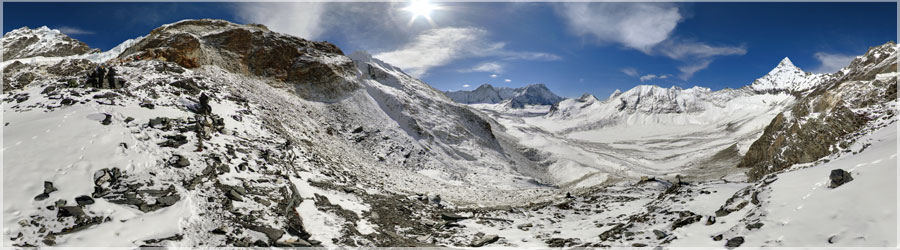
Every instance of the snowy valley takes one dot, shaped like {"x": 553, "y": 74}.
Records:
{"x": 318, "y": 147}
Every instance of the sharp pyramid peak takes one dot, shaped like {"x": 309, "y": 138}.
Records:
{"x": 786, "y": 65}
{"x": 786, "y": 62}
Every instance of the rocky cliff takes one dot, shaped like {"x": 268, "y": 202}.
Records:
{"x": 316, "y": 70}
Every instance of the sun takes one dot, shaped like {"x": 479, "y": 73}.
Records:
{"x": 420, "y": 8}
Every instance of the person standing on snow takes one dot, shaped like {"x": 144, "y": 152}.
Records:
{"x": 203, "y": 124}
{"x": 101, "y": 75}
{"x": 111, "y": 77}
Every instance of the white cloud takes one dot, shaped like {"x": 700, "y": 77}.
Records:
{"x": 490, "y": 67}
{"x": 507, "y": 80}
{"x": 687, "y": 50}
{"x": 696, "y": 55}
{"x": 687, "y": 71}
{"x": 648, "y": 77}
{"x": 74, "y": 31}
{"x": 493, "y": 75}
{"x": 636, "y": 25}
{"x": 440, "y": 46}
{"x": 466, "y": 85}
{"x": 651, "y": 77}
{"x": 830, "y": 63}
{"x": 630, "y": 72}
{"x": 646, "y": 27}
{"x": 299, "y": 19}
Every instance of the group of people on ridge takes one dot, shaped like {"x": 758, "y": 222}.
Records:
{"x": 103, "y": 78}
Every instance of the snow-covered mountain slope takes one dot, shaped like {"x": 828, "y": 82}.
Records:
{"x": 787, "y": 78}
{"x": 791, "y": 139}
{"x": 694, "y": 132}
{"x": 305, "y": 146}
{"x": 25, "y": 42}
{"x": 533, "y": 94}
{"x": 795, "y": 208}
{"x": 352, "y": 136}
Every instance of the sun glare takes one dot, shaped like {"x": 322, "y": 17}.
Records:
{"x": 421, "y": 8}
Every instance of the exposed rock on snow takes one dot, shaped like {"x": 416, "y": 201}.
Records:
{"x": 485, "y": 240}
{"x": 839, "y": 177}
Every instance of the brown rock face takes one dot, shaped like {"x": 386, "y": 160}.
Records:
{"x": 316, "y": 69}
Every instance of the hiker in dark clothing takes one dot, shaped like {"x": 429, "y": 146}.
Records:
{"x": 111, "y": 77}
{"x": 203, "y": 125}
{"x": 205, "y": 109}
{"x": 91, "y": 79}
{"x": 101, "y": 73}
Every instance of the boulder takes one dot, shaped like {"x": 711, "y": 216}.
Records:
{"x": 234, "y": 195}
{"x": 484, "y": 240}
{"x": 84, "y": 200}
{"x": 48, "y": 187}
{"x": 167, "y": 200}
{"x": 219, "y": 230}
{"x": 686, "y": 218}
{"x": 42, "y": 196}
{"x": 67, "y": 101}
{"x": 160, "y": 123}
{"x": 174, "y": 141}
{"x": 839, "y": 177}
{"x": 178, "y": 161}
{"x": 659, "y": 234}
{"x": 107, "y": 120}
{"x": 293, "y": 243}
{"x": 562, "y": 242}
{"x": 452, "y": 217}
{"x": 734, "y": 242}
{"x": 70, "y": 211}
{"x": 271, "y": 233}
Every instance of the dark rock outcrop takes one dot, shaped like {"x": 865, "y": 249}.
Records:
{"x": 839, "y": 177}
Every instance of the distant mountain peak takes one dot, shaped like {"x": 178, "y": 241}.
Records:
{"x": 586, "y": 97}
{"x": 786, "y": 62}
{"x": 485, "y": 86}
{"x": 25, "y": 42}
{"x": 533, "y": 94}
{"x": 786, "y": 77}
{"x": 615, "y": 93}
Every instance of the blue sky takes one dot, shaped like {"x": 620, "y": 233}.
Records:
{"x": 572, "y": 47}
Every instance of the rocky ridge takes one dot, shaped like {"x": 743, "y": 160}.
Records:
{"x": 533, "y": 94}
